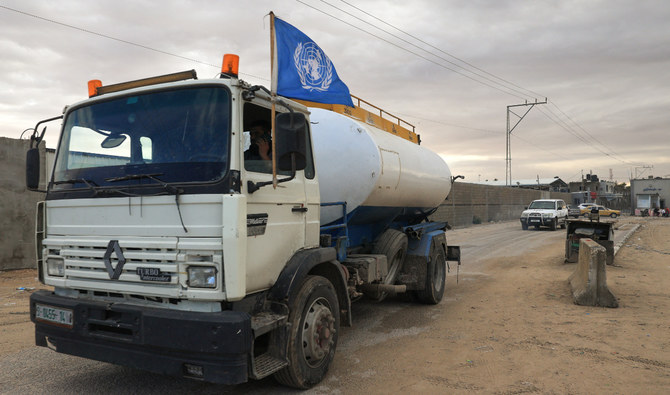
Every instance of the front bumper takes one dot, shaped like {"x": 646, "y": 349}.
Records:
{"x": 157, "y": 340}
{"x": 537, "y": 221}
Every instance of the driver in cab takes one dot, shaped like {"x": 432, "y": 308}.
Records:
{"x": 261, "y": 142}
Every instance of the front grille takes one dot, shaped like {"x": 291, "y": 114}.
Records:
{"x": 87, "y": 263}
{"x": 153, "y": 272}
{"x": 84, "y": 259}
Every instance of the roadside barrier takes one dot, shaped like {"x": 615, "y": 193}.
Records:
{"x": 589, "y": 282}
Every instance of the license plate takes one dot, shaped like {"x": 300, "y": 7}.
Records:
{"x": 534, "y": 220}
{"x": 53, "y": 315}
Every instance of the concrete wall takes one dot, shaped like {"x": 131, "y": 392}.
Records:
{"x": 17, "y": 206}
{"x": 467, "y": 204}
{"x": 477, "y": 203}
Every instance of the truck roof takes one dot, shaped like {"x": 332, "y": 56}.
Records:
{"x": 395, "y": 125}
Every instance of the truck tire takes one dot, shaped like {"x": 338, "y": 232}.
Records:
{"x": 565, "y": 223}
{"x": 435, "y": 278}
{"x": 315, "y": 322}
{"x": 524, "y": 226}
{"x": 613, "y": 215}
{"x": 393, "y": 244}
{"x": 554, "y": 224}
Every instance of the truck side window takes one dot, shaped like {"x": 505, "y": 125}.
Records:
{"x": 147, "y": 149}
{"x": 256, "y": 125}
{"x": 258, "y": 155}
{"x": 309, "y": 169}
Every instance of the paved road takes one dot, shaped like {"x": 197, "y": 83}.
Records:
{"x": 38, "y": 370}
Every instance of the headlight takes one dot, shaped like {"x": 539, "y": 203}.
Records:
{"x": 524, "y": 215}
{"x": 547, "y": 215}
{"x": 55, "y": 267}
{"x": 201, "y": 276}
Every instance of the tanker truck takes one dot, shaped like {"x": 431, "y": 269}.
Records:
{"x": 171, "y": 251}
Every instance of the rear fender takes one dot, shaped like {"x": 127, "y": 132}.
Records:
{"x": 415, "y": 268}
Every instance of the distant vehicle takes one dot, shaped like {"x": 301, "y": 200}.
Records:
{"x": 574, "y": 211}
{"x": 605, "y": 212}
{"x": 585, "y": 208}
{"x": 545, "y": 212}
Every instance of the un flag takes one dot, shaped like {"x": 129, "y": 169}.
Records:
{"x": 303, "y": 69}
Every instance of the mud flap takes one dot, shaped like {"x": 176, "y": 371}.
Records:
{"x": 454, "y": 254}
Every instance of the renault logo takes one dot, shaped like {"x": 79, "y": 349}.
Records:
{"x": 113, "y": 247}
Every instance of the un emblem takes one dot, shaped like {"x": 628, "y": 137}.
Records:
{"x": 313, "y": 66}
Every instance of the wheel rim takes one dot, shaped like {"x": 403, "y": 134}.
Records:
{"x": 318, "y": 332}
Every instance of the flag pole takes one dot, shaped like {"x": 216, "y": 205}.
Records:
{"x": 273, "y": 94}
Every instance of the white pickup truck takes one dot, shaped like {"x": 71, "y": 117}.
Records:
{"x": 545, "y": 212}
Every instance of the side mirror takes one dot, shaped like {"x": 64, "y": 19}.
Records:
{"x": 33, "y": 169}
{"x": 291, "y": 141}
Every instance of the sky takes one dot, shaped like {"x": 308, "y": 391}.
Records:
{"x": 450, "y": 67}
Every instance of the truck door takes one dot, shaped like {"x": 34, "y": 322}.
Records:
{"x": 313, "y": 197}
{"x": 275, "y": 217}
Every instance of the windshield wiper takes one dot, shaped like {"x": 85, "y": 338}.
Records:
{"x": 152, "y": 177}
{"x": 149, "y": 176}
{"x": 89, "y": 183}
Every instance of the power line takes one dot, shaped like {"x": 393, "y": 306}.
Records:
{"x": 569, "y": 129}
{"x": 449, "y": 124}
{"x": 556, "y": 118}
{"x": 564, "y": 125}
{"x": 420, "y": 48}
{"x": 407, "y": 50}
{"x": 586, "y": 132}
{"x": 574, "y": 175}
{"x": 484, "y": 131}
{"x": 119, "y": 39}
{"x": 539, "y": 147}
{"x": 533, "y": 94}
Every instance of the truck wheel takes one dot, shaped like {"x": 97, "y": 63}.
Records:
{"x": 315, "y": 322}
{"x": 393, "y": 244}
{"x": 435, "y": 278}
{"x": 553, "y": 224}
{"x": 524, "y": 226}
{"x": 565, "y": 223}
{"x": 613, "y": 215}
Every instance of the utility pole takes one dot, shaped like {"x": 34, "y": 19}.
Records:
{"x": 508, "y": 155}
{"x": 640, "y": 170}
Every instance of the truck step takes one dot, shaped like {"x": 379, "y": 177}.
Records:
{"x": 265, "y": 322}
{"x": 265, "y": 364}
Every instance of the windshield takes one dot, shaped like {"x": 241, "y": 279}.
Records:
{"x": 180, "y": 135}
{"x": 542, "y": 205}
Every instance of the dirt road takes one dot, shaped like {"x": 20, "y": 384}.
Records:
{"x": 508, "y": 327}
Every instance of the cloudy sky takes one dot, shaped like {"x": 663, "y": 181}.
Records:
{"x": 449, "y": 67}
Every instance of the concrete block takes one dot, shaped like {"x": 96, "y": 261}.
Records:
{"x": 17, "y": 205}
{"x": 589, "y": 282}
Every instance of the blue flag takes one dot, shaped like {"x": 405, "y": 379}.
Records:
{"x": 303, "y": 69}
